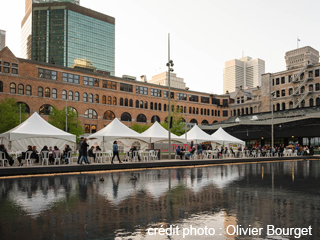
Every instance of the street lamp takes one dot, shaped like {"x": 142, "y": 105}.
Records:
{"x": 170, "y": 69}
{"x": 272, "y": 137}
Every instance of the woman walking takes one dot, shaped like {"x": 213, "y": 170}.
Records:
{"x": 115, "y": 151}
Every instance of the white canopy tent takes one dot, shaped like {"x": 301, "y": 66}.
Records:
{"x": 38, "y": 132}
{"x": 197, "y": 135}
{"x": 157, "y": 133}
{"x": 116, "y": 130}
{"x": 225, "y": 138}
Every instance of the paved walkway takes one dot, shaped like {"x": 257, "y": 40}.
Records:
{"x": 76, "y": 168}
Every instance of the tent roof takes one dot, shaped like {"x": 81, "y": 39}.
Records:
{"x": 36, "y": 126}
{"x": 157, "y": 133}
{"x": 197, "y": 135}
{"x": 225, "y": 137}
{"x": 116, "y": 130}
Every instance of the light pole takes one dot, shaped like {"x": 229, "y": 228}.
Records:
{"x": 169, "y": 65}
{"x": 67, "y": 115}
{"x": 272, "y": 137}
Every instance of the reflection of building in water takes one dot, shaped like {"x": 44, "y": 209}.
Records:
{"x": 248, "y": 199}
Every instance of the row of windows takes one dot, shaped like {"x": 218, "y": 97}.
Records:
{"x": 282, "y": 93}
{"x": 282, "y": 80}
{"x": 5, "y": 67}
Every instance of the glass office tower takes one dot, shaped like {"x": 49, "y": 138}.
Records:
{"x": 66, "y": 34}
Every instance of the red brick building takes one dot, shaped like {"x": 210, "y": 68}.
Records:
{"x": 99, "y": 98}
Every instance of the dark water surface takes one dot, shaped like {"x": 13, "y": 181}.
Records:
{"x": 219, "y": 198}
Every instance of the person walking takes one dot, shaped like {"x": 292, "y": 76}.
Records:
{"x": 84, "y": 151}
{"x": 115, "y": 151}
{"x": 79, "y": 149}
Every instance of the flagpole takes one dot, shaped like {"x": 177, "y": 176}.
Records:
{"x": 297, "y": 42}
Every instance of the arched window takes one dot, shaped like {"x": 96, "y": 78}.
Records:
{"x": 218, "y": 113}
{"x": 194, "y": 121}
{"x": 311, "y": 102}
{"x": 283, "y": 106}
{"x": 131, "y": 103}
{"x": 193, "y": 110}
{"x": 215, "y": 112}
{"x": 242, "y": 111}
{"x": 104, "y": 99}
{"x": 76, "y": 96}
{"x": 212, "y": 112}
{"x": 90, "y": 97}
{"x": 317, "y": 101}
{"x": 108, "y": 115}
{"x": 159, "y": 106}
{"x": 85, "y": 97}
{"x": 247, "y": 111}
{"x": 190, "y": 110}
{"x": 45, "y": 109}
{"x": 303, "y": 103}
{"x": 208, "y": 112}
{"x": 109, "y": 100}
{"x": 47, "y": 92}
{"x": 155, "y": 106}
{"x": 141, "y": 118}
{"x": 151, "y": 106}
{"x": 20, "y": 89}
{"x": 126, "y": 117}
{"x": 90, "y": 113}
{"x": 204, "y": 122}
{"x": 13, "y": 88}
{"x": 137, "y": 103}
{"x": 70, "y": 95}
{"x": 317, "y": 87}
{"x": 290, "y": 91}
{"x": 290, "y": 105}
{"x": 28, "y": 90}
{"x": 141, "y": 104}
{"x": 114, "y": 101}
{"x": 278, "y": 106}
{"x": 146, "y": 105}
{"x": 126, "y": 102}
{"x": 155, "y": 118}
{"x": 96, "y": 98}
{"x": 1, "y": 86}
{"x": 40, "y": 92}
{"x": 54, "y": 93}
{"x": 26, "y": 107}
{"x": 197, "y": 111}
{"x": 121, "y": 101}
{"x": 302, "y": 89}
{"x": 73, "y": 110}
{"x": 239, "y": 113}
{"x": 251, "y": 110}
{"x": 201, "y": 111}
{"x": 64, "y": 94}
{"x": 311, "y": 88}
{"x": 234, "y": 112}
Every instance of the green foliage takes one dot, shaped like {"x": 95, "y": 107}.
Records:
{"x": 10, "y": 114}
{"x": 58, "y": 119}
{"x": 139, "y": 128}
{"x": 178, "y": 124}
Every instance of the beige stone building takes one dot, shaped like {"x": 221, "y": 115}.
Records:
{"x": 162, "y": 79}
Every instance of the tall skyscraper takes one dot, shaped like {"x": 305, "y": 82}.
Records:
{"x": 2, "y": 39}
{"x": 64, "y": 33}
{"x": 245, "y": 72}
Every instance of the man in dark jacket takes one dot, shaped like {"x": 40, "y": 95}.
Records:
{"x": 84, "y": 149}
{"x": 79, "y": 149}
{"x": 6, "y": 155}
{"x": 91, "y": 154}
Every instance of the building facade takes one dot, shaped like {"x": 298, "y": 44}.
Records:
{"x": 64, "y": 33}
{"x": 2, "y": 39}
{"x": 244, "y": 72}
{"x": 98, "y": 98}
{"x": 162, "y": 79}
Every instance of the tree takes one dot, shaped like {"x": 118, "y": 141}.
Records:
{"x": 178, "y": 123}
{"x": 58, "y": 119}
{"x": 139, "y": 128}
{"x": 10, "y": 114}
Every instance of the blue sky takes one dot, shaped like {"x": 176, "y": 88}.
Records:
{"x": 204, "y": 34}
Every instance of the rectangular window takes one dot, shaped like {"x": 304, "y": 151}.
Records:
{"x": 141, "y": 90}
{"x": 225, "y": 102}
{"x": 283, "y": 81}
{"x": 14, "y": 68}
{"x": 87, "y": 128}
{"x": 93, "y": 128}
{"x": 225, "y": 113}
{"x": 277, "y": 81}
{"x": 126, "y": 87}
{"x": 242, "y": 100}
{"x": 109, "y": 84}
{"x": 316, "y": 72}
{"x": 47, "y": 74}
{"x": 0, "y": 66}
{"x": 272, "y": 82}
{"x": 181, "y": 96}
{"x": 238, "y": 100}
{"x": 155, "y": 92}
{"x": 289, "y": 78}
{"x": 193, "y": 98}
{"x": 205, "y": 99}
{"x": 283, "y": 93}
{"x": 71, "y": 78}
{"x": 165, "y": 94}
{"x": 6, "y": 67}
{"x": 90, "y": 81}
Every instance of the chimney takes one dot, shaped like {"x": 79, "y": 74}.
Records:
{"x": 143, "y": 78}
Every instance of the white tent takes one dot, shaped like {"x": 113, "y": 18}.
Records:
{"x": 116, "y": 130}
{"x": 38, "y": 132}
{"x": 157, "y": 133}
{"x": 197, "y": 135}
{"x": 225, "y": 138}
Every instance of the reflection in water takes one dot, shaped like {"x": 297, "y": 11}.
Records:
{"x": 80, "y": 206}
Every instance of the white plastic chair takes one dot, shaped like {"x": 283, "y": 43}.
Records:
{"x": 45, "y": 156}
{"x": 28, "y": 158}
{"x": 151, "y": 154}
{"x": 127, "y": 158}
{"x": 69, "y": 157}
{"x": 145, "y": 156}
{"x": 156, "y": 154}
{"x": 99, "y": 157}
{"x": 2, "y": 158}
{"x": 135, "y": 156}
{"x": 57, "y": 156}
{"x": 230, "y": 154}
{"x": 109, "y": 155}
{"x": 295, "y": 153}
